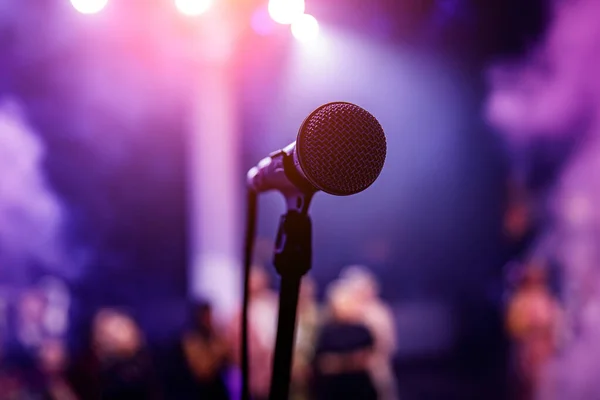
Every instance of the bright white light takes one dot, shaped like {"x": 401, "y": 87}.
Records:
{"x": 286, "y": 11}
{"x": 305, "y": 28}
{"x": 193, "y": 7}
{"x": 89, "y": 6}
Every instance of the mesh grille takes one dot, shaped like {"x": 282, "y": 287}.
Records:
{"x": 341, "y": 148}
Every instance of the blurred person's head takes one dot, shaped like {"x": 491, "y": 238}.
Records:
{"x": 534, "y": 275}
{"x": 31, "y": 307}
{"x": 343, "y": 305}
{"x": 52, "y": 357}
{"x": 519, "y": 216}
{"x": 58, "y": 300}
{"x": 115, "y": 334}
{"x": 361, "y": 281}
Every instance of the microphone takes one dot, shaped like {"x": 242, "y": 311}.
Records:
{"x": 340, "y": 149}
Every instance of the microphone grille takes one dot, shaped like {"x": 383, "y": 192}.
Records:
{"x": 341, "y": 148}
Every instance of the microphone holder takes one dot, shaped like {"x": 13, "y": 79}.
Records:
{"x": 292, "y": 259}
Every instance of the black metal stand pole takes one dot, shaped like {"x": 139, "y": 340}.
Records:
{"x": 292, "y": 259}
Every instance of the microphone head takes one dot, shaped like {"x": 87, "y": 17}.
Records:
{"x": 341, "y": 148}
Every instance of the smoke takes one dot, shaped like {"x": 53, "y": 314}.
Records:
{"x": 31, "y": 215}
{"x": 549, "y": 91}
{"x": 553, "y": 95}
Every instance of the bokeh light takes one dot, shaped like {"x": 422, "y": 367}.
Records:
{"x": 193, "y": 7}
{"x": 286, "y": 11}
{"x": 89, "y": 6}
{"x": 305, "y": 28}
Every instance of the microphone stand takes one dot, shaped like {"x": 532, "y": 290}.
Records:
{"x": 292, "y": 260}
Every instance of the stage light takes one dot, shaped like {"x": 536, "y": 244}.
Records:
{"x": 305, "y": 28}
{"x": 89, "y": 6}
{"x": 286, "y": 11}
{"x": 193, "y": 7}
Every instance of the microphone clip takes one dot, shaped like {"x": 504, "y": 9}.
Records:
{"x": 293, "y": 247}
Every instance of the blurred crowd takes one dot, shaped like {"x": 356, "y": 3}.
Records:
{"x": 344, "y": 348}
{"x": 534, "y": 321}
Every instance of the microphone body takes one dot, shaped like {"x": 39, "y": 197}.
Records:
{"x": 340, "y": 149}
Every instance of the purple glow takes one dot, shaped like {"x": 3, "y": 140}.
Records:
{"x": 548, "y": 91}
{"x": 554, "y": 94}
{"x": 261, "y": 22}
{"x": 31, "y": 215}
